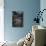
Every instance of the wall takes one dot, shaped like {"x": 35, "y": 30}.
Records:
{"x": 43, "y": 6}
{"x": 29, "y": 7}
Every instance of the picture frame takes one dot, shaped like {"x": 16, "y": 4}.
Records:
{"x": 17, "y": 19}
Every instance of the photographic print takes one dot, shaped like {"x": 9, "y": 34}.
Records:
{"x": 17, "y": 19}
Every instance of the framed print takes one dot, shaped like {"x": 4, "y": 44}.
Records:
{"x": 17, "y": 19}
